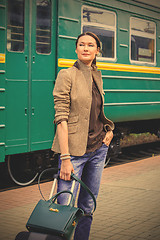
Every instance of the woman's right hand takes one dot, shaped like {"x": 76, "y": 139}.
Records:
{"x": 66, "y": 169}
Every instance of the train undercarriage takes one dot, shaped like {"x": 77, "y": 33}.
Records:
{"x": 24, "y": 168}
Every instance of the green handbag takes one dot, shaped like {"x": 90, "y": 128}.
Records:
{"x": 55, "y": 219}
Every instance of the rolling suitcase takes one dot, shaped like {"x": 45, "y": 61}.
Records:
{"x": 35, "y": 236}
{"x": 40, "y": 230}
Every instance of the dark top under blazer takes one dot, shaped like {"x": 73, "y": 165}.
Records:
{"x": 72, "y": 101}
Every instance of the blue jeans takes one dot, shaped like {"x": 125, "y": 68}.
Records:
{"x": 89, "y": 168}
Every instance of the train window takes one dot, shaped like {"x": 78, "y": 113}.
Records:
{"x": 142, "y": 38}
{"x": 15, "y": 26}
{"x": 43, "y": 28}
{"x": 102, "y": 23}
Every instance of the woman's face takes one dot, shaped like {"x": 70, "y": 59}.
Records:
{"x": 86, "y": 49}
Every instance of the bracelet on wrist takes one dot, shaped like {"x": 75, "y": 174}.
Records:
{"x": 65, "y": 156}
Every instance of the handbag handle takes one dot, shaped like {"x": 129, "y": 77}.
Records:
{"x": 86, "y": 188}
{"x": 71, "y": 203}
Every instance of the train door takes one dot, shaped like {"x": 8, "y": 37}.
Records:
{"x": 30, "y": 73}
{"x": 16, "y": 78}
{"x": 42, "y": 73}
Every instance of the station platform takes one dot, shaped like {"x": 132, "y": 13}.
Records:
{"x": 128, "y": 206}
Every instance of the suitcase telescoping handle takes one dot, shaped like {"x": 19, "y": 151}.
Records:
{"x": 54, "y": 185}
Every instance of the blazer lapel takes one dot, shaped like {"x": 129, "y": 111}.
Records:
{"x": 97, "y": 79}
{"x": 85, "y": 75}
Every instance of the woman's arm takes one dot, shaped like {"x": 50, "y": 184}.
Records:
{"x": 61, "y": 95}
{"x": 66, "y": 165}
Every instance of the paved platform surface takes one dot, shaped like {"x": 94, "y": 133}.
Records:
{"x": 128, "y": 206}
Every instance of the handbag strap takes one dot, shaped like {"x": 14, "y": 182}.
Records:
{"x": 39, "y": 179}
{"x": 86, "y": 188}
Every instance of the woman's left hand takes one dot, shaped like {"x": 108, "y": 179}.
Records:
{"x": 108, "y": 138}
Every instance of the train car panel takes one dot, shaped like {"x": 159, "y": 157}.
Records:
{"x": 136, "y": 86}
{"x": 68, "y": 9}
{"x": 158, "y": 43}
{"x": 123, "y": 36}
{"x": 133, "y": 111}
{"x": 16, "y": 118}
{"x": 31, "y": 40}
{"x": 128, "y": 6}
{"x": 16, "y": 78}
{"x": 133, "y": 83}
{"x": 69, "y": 13}
{"x": 152, "y": 4}
{"x": 2, "y": 80}
{"x": 147, "y": 100}
{"x": 43, "y": 112}
{"x": 43, "y": 62}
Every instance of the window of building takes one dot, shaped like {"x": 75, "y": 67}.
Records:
{"x": 103, "y": 24}
{"x": 43, "y": 27}
{"x": 15, "y": 26}
{"x": 143, "y": 39}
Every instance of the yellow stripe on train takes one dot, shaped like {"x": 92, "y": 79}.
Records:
{"x": 2, "y": 58}
{"x": 113, "y": 66}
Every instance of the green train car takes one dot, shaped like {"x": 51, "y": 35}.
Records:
{"x": 37, "y": 39}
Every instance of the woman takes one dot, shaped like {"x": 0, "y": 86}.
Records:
{"x": 83, "y": 132}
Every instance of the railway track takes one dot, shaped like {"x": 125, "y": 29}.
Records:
{"x": 136, "y": 153}
{"x": 129, "y": 154}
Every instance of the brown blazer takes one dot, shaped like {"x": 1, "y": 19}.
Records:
{"x": 72, "y": 101}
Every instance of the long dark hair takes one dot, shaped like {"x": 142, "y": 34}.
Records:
{"x": 98, "y": 42}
